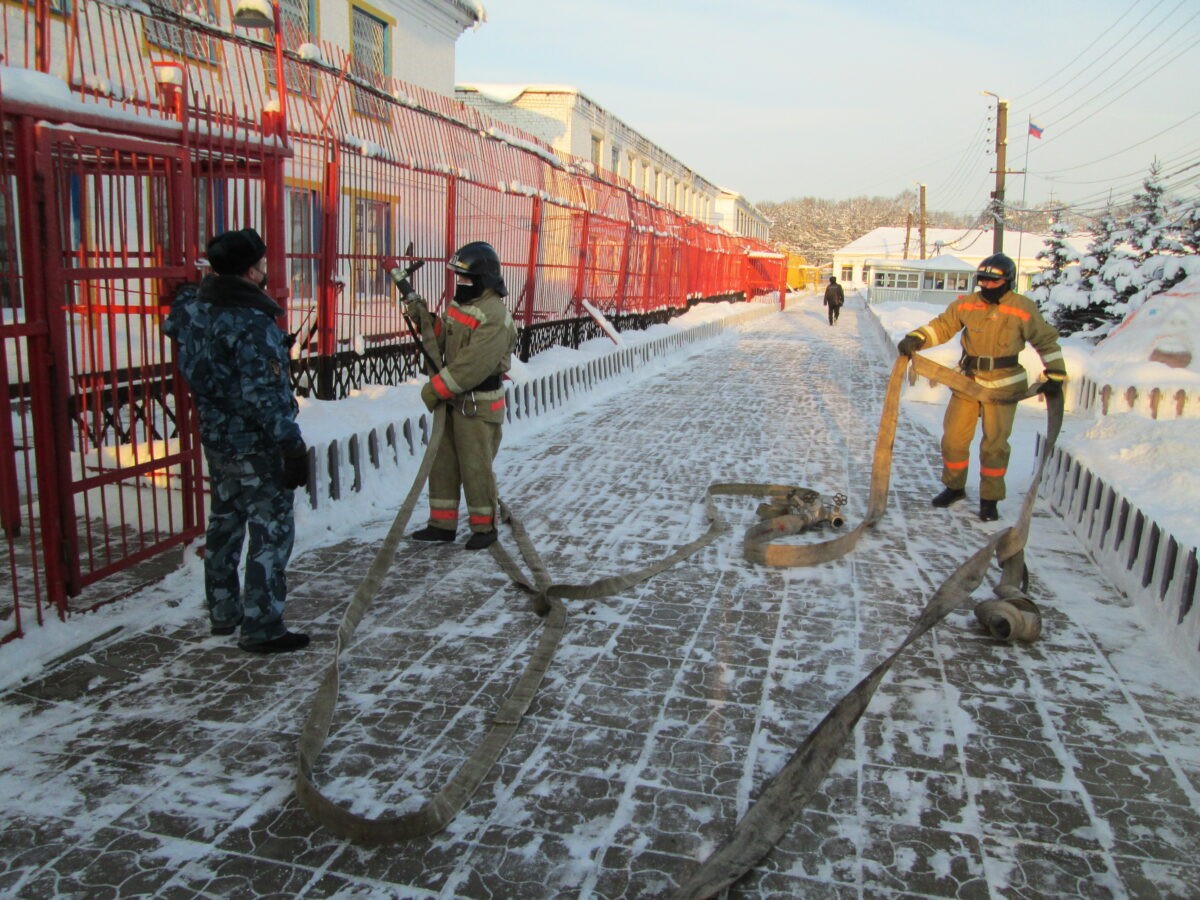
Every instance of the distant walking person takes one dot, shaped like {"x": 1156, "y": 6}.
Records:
{"x": 475, "y": 339}
{"x": 235, "y": 360}
{"x": 995, "y": 324}
{"x": 834, "y": 298}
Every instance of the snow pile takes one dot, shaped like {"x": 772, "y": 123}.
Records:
{"x": 1156, "y": 346}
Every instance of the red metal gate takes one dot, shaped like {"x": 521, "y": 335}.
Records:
{"x": 118, "y": 475}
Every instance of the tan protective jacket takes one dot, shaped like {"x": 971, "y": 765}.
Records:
{"x": 476, "y": 340}
{"x": 997, "y": 330}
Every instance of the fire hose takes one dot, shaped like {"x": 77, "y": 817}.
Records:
{"x": 786, "y": 794}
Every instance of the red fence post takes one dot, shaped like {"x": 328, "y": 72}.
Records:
{"x": 783, "y": 270}
{"x": 451, "y": 232}
{"x": 585, "y": 228}
{"x": 328, "y": 291}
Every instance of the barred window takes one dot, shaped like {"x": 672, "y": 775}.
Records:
{"x": 372, "y": 239}
{"x": 180, "y": 39}
{"x": 297, "y": 17}
{"x": 371, "y": 60}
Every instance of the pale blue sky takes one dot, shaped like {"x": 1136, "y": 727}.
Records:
{"x": 786, "y": 98}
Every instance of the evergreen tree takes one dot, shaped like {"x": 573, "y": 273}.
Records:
{"x": 1087, "y": 308}
{"x": 1187, "y": 226}
{"x": 1149, "y": 229}
{"x": 1057, "y": 255}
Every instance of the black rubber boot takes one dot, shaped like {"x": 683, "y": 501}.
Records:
{"x": 285, "y": 643}
{"x": 948, "y": 496}
{"x": 988, "y": 511}
{"x": 481, "y": 539}
{"x": 430, "y": 533}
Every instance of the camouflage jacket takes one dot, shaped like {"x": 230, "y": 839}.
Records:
{"x": 235, "y": 359}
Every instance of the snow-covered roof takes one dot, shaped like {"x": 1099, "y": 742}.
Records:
{"x": 888, "y": 241}
{"x": 507, "y": 93}
{"x": 943, "y": 263}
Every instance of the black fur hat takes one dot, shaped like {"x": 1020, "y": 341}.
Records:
{"x": 234, "y": 252}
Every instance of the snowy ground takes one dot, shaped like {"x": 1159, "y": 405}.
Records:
{"x": 158, "y": 760}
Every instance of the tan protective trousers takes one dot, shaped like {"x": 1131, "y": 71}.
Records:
{"x": 958, "y": 430}
{"x": 464, "y": 461}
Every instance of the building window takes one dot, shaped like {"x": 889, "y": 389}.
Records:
{"x": 297, "y": 17}
{"x": 847, "y": 273}
{"x": 597, "y": 150}
{"x": 614, "y": 160}
{"x": 372, "y": 239}
{"x": 909, "y": 281}
{"x": 183, "y": 41}
{"x": 302, "y": 206}
{"x": 370, "y": 61}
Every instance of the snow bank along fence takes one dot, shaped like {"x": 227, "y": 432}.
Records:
{"x": 132, "y": 133}
{"x": 1141, "y": 558}
{"x": 353, "y": 463}
{"x": 1155, "y": 402}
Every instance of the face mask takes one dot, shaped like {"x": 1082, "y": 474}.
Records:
{"x": 992, "y": 294}
{"x": 465, "y": 293}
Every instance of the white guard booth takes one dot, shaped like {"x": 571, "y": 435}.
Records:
{"x": 937, "y": 280}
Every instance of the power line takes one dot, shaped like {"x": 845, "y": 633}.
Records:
{"x": 1129, "y": 48}
{"x": 1124, "y": 150}
{"x": 1087, "y": 47}
{"x": 1189, "y": 45}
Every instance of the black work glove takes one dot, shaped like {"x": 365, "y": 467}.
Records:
{"x": 295, "y": 467}
{"x": 1051, "y": 388}
{"x": 910, "y": 345}
{"x": 405, "y": 287}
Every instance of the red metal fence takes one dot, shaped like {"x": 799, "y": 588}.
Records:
{"x": 131, "y": 136}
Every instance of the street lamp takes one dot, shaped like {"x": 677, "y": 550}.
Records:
{"x": 260, "y": 14}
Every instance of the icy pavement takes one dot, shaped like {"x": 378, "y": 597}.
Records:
{"x": 161, "y": 763}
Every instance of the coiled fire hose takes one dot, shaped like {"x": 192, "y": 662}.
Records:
{"x": 785, "y": 795}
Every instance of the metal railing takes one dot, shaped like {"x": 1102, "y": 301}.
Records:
{"x": 133, "y": 135}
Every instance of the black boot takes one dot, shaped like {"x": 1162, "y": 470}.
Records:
{"x": 988, "y": 511}
{"x": 430, "y": 533}
{"x": 948, "y": 496}
{"x": 286, "y": 642}
{"x": 481, "y": 539}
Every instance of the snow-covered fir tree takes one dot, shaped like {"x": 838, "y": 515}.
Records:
{"x": 1131, "y": 258}
{"x": 1057, "y": 255}
{"x": 1188, "y": 226}
{"x": 1084, "y": 306}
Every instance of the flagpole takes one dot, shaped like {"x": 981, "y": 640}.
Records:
{"x": 1024, "y": 189}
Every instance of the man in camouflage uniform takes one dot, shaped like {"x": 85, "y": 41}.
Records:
{"x": 235, "y": 359}
{"x": 995, "y": 323}
{"x": 474, "y": 339}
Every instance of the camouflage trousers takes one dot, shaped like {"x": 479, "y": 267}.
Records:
{"x": 247, "y": 495}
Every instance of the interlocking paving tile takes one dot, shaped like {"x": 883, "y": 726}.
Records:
{"x": 160, "y": 763}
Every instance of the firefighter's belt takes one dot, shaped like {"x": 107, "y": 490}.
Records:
{"x": 987, "y": 363}
{"x": 786, "y": 795}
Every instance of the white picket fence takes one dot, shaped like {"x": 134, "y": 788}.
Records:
{"x": 1154, "y": 402}
{"x": 1140, "y": 557}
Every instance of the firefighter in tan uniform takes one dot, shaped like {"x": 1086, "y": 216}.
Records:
{"x": 475, "y": 337}
{"x": 995, "y": 323}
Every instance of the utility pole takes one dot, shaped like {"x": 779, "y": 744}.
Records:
{"x": 907, "y": 234}
{"x": 922, "y": 226}
{"x": 1001, "y": 165}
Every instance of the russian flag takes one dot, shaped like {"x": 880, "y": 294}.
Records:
{"x": 1035, "y": 130}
